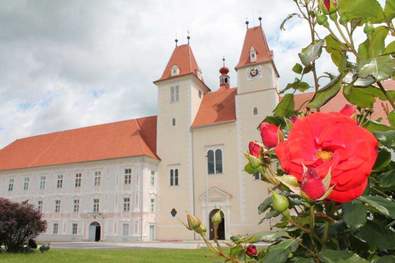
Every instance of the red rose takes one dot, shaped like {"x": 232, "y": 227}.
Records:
{"x": 269, "y": 134}
{"x": 312, "y": 185}
{"x": 331, "y": 140}
{"x": 255, "y": 149}
{"x": 327, "y": 4}
{"x": 348, "y": 110}
{"x": 251, "y": 251}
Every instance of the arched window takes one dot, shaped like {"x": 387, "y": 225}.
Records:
{"x": 174, "y": 70}
{"x": 252, "y": 54}
{"x": 255, "y": 111}
{"x": 210, "y": 162}
{"x": 218, "y": 161}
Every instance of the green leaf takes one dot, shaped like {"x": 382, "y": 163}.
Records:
{"x": 272, "y": 213}
{"x": 297, "y": 68}
{"x": 326, "y": 93}
{"x": 297, "y": 85}
{"x": 390, "y": 49}
{"x": 340, "y": 256}
{"x": 237, "y": 251}
{"x": 391, "y": 118}
{"x": 389, "y": 10}
{"x": 286, "y": 106}
{"x": 383, "y": 160}
{"x": 250, "y": 169}
{"x": 386, "y": 138}
{"x": 375, "y": 44}
{"x": 362, "y": 97}
{"x": 355, "y": 214}
{"x": 376, "y": 236}
{"x": 379, "y": 204}
{"x": 337, "y": 50}
{"x": 365, "y": 10}
{"x": 311, "y": 53}
{"x": 268, "y": 236}
{"x": 387, "y": 179}
{"x": 382, "y": 67}
{"x": 265, "y": 205}
{"x": 280, "y": 252}
{"x": 374, "y": 126}
{"x": 385, "y": 259}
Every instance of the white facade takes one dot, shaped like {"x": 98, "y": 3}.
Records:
{"x": 73, "y": 212}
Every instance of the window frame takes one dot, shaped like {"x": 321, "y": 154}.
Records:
{"x": 76, "y": 206}
{"x": 11, "y": 183}
{"x": 43, "y": 182}
{"x": 26, "y": 183}
{"x": 78, "y": 180}
{"x": 126, "y": 204}
{"x": 74, "y": 229}
{"x": 55, "y": 228}
{"x": 97, "y": 178}
{"x": 96, "y": 205}
{"x": 174, "y": 176}
{"x": 215, "y": 165}
{"x": 127, "y": 177}
{"x": 59, "y": 181}
{"x": 58, "y": 203}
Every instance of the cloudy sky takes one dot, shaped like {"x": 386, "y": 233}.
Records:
{"x": 67, "y": 64}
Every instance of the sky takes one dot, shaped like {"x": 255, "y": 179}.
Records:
{"x": 69, "y": 64}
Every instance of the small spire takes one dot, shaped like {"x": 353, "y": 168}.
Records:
{"x": 188, "y": 36}
{"x": 247, "y": 23}
{"x": 260, "y": 21}
{"x": 176, "y": 40}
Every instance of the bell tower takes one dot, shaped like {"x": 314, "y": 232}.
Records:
{"x": 256, "y": 98}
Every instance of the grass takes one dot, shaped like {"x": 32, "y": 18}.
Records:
{"x": 113, "y": 256}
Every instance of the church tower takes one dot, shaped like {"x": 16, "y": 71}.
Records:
{"x": 256, "y": 98}
{"x": 180, "y": 91}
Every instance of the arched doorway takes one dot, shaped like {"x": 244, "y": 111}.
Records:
{"x": 94, "y": 231}
{"x": 221, "y": 226}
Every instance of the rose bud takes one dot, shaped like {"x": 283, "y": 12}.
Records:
{"x": 312, "y": 185}
{"x": 217, "y": 218}
{"x": 255, "y": 149}
{"x": 280, "y": 202}
{"x": 327, "y": 4}
{"x": 269, "y": 134}
{"x": 348, "y": 110}
{"x": 201, "y": 229}
{"x": 194, "y": 223}
{"x": 251, "y": 251}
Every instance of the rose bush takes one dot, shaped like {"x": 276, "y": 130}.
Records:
{"x": 330, "y": 143}
{"x": 331, "y": 174}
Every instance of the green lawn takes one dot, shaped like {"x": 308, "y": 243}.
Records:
{"x": 113, "y": 256}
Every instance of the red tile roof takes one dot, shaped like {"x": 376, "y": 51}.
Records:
{"x": 216, "y": 107}
{"x": 184, "y": 59}
{"x": 129, "y": 138}
{"x": 339, "y": 101}
{"x": 255, "y": 37}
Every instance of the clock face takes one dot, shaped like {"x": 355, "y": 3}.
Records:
{"x": 254, "y": 72}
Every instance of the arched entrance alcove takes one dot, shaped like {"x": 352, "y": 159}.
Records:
{"x": 221, "y": 226}
{"x": 94, "y": 231}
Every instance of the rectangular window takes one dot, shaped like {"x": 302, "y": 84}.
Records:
{"x": 57, "y": 206}
{"x": 11, "y": 185}
{"x": 76, "y": 206}
{"x": 97, "y": 178}
{"x": 42, "y": 182}
{"x": 55, "y": 229}
{"x": 257, "y": 176}
{"x": 152, "y": 178}
{"x": 78, "y": 178}
{"x": 74, "y": 229}
{"x": 59, "y": 183}
{"x": 96, "y": 207}
{"x": 173, "y": 177}
{"x": 126, "y": 204}
{"x": 40, "y": 206}
{"x": 174, "y": 94}
{"x": 128, "y": 176}
{"x": 214, "y": 161}
{"x": 152, "y": 205}
{"x": 26, "y": 184}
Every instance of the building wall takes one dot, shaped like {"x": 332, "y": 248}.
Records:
{"x": 111, "y": 192}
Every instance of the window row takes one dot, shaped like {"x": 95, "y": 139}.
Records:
{"x": 96, "y": 205}
{"x": 77, "y": 181}
{"x": 75, "y": 228}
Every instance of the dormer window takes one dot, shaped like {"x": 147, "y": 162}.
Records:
{"x": 175, "y": 70}
{"x": 252, "y": 54}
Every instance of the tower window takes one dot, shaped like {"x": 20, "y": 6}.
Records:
{"x": 255, "y": 111}
{"x": 252, "y": 54}
{"x": 174, "y": 94}
{"x": 173, "y": 177}
{"x": 214, "y": 161}
{"x": 173, "y": 122}
{"x": 175, "y": 70}
{"x": 128, "y": 176}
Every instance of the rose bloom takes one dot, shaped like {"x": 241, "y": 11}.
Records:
{"x": 251, "y": 251}
{"x": 269, "y": 134}
{"x": 323, "y": 141}
{"x": 255, "y": 149}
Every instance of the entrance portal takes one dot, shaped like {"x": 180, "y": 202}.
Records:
{"x": 221, "y": 226}
{"x": 94, "y": 231}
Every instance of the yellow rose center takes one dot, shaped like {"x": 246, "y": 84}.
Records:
{"x": 324, "y": 155}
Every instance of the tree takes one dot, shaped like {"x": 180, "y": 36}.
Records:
{"x": 19, "y": 223}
